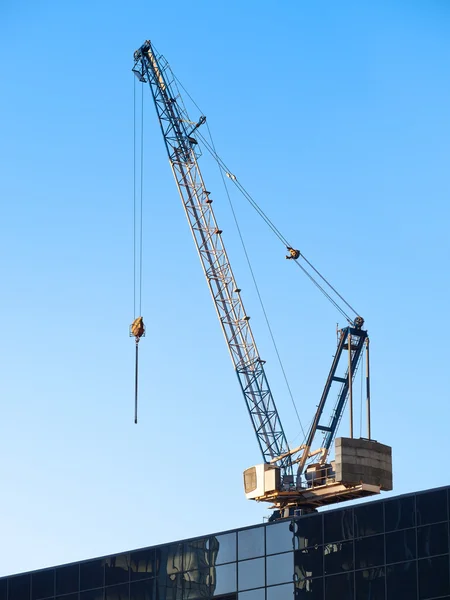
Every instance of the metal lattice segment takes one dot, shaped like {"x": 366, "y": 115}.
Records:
{"x": 183, "y": 153}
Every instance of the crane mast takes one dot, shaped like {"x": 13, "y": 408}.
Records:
{"x": 180, "y": 144}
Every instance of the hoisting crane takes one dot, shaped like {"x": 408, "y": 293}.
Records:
{"x": 289, "y": 478}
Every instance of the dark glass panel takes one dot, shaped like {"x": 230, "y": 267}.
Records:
{"x": 432, "y": 540}
{"x": 68, "y": 597}
{"x": 169, "y": 559}
{"x": 91, "y": 574}
{"x": 279, "y": 537}
{"x": 67, "y": 579}
{"x": 223, "y": 579}
{"x": 309, "y": 589}
{"x": 369, "y": 519}
{"x": 308, "y": 563}
{"x": 402, "y": 581}
{"x": 339, "y": 586}
{"x": 93, "y": 594}
{"x": 338, "y": 557}
{"x": 196, "y": 584}
{"x": 253, "y": 595}
{"x": 400, "y": 513}
{"x": 118, "y": 592}
{"x": 251, "y": 543}
{"x": 223, "y": 548}
{"x": 309, "y": 531}
{"x": 169, "y": 587}
{"x": 401, "y": 545}
{"x": 433, "y": 577}
{"x": 142, "y": 564}
{"x": 280, "y": 568}
{"x": 196, "y": 554}
{"x": 369, "y": 552}
{"x": 117, "y": 569}
{"x": 19, "y": 587}
{"x": 431, "y": 507}
{"x": 338, "y": 525}
{"x": 251, "y": 574}
{"x": 3, "y": 588}
{"x": 370, "y": 584}
{"x": 281, "y": 592}
{"x": 43, "y": 584}
{"x": 142, "y": 590}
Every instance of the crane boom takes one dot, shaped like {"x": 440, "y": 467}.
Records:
{"x": 180, "y": 144}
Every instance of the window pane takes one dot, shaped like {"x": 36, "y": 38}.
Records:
{"x": 169, "y": 587}
{"x": 338, "y": 557}
{"x": 432, "y": 540}
{"x": 431, "y": 507}
{"x": 196, "y": 584}
{"x": 251, "y": 574}
{"x": 3, "y": 588}
{"x": 280, "y": 568}
{"x": 338, "y": 525}
{"x": 196, "y": 554}
{"x": 43, "y": 584}
{"x": 169, "y": 559}
{"x": 309, "y": 589}
{"x": 142, "y": 590}
{"x": 369, "y": 552}
{"x": 253, "y": 595}
{"x": 67, "y": 579}
{"x": 142, "y": 564}
{"x": 97, "y": 594}
{"x": 91, "y": 574}
{"x": 400, "y": 513}
{"x": 223, "y": 548}
{"x": 368, "y": 519}
{"x": 433, "y": 577}
{"x": 402, "y": 581}
{"x": 308, "y": 563}
{"x": 370, "y": 583}
{"x": 340, "y": 586}
{"x": 400, "y": 545}
{"x": 117, "y": 569}
{"x": 68, "y": 597}
{"x": 117, "y": 592}
{"x": 309, "y": 531}
{"x": 281, "y": 592}
{"x": 279, "y": 537}
{"x": 223, "y": 579}
{"x": 19, "y": 587}
{"x": 251, "y": 543}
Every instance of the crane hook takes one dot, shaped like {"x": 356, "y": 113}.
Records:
{"x": 293, "y": 254}
{"x": 137, "y": 330}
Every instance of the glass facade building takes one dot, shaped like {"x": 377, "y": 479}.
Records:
{"x": 386, "y": 549}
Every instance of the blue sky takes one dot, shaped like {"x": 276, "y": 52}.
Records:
{"x": 335, "y": 117}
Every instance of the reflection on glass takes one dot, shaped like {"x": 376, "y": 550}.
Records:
{"x": 251, "y": 574}
{"x": 281, "y": 592}
{"x": 91, "y": 574}
{"x": 432, "y": 540}
{"x": 93, "y": 594}
{"x": 253, "y": 595}
{"x": 196, "y": 554}
{"x": 309, "y": 589}
{"x": 340, "y": 586}
{"x": 338, "y": 557}
{"x": 280, "y": 568}
{"x": 309, "y": 531}
{"x": 338, "y": 525}
{"x": 169, "y": 559}
{"x": 431, "y": 507}
{"x": 67, "y": 579}
{"x": 279, "y": 537}
{"x": 117, "y": 569}
{"x": 368, "y": 519}
{"x": 118, "y": 592}
{"x": 223, "y": 579}
{"x": 223, "y": 548}
{"x": 402, "y": 581}
{"x": 196, "y": 584}
{"x": 433, "y": 577}
{"x": 400, "y": 545}
{"x": 369, "y": 552}
{"x": 142, "y": 590}
{"x": 370, "y": 583}
{"x": 251, "y": 543}
{"x": 169, "y": 587}
{"x": 142, "y": 564}
{"x": 308, "y": 563}
{"x": 400, "y": 513}
{"x": 43, "y": 584}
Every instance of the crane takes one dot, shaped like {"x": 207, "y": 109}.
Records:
{"x": 290, "y": 478}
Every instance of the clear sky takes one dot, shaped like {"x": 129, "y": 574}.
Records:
{"x": 335, "y": 116}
